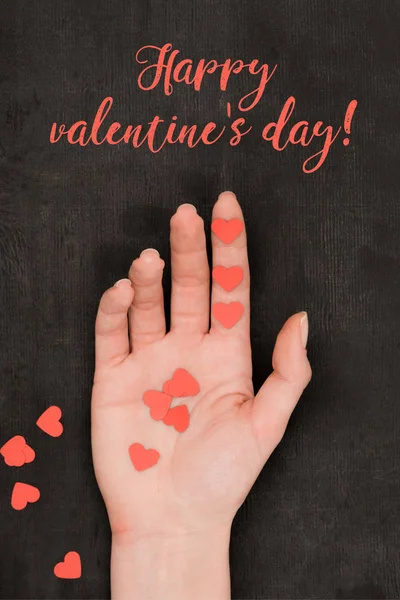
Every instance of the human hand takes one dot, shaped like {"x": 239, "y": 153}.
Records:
{"x": 203, "y": 474}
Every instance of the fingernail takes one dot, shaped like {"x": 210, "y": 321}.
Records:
{"x": 150, "y": 250}
{"x": 120, "y": 280}
{"x": 304, "y": 328}
{"x": 186, "y": 204}
{"x": 227, "y": 192}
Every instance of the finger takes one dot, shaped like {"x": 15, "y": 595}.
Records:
{"x": 146, "y": 315}
{"x": 230, "y": 298}
{"x": 111, "y": 329}
{"x": 190, "y": 272}
{"x": 280, "y": 393}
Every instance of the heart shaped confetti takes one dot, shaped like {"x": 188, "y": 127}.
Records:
{"x": 143, "y": 458}
{"x": 178, "y": 417}
{"x": 227, "y": 231}
{"x": 227, "y": 277}
{"x": 22, "y": 494}
{"x": 158, "y": 402}
{"x": 16, "y": 452}
{"x": 70, "y": 568}
{"x": 49, "y": 421}
{"x": 228, "y": 314}
{"x": 181, "y": 385}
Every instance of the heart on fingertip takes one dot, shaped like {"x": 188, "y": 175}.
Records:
{"x": 49, "y": 421}
{"x": 70, "y": 567}
{"x": 158, "y": 402}
{"x": 181, "y": 385}
{"x": 16, "y": 452}
{"x": 22, "y": 494}
{"x": 178, "y": 417}
{"x": 227, "y": 231}
{"x": 227, "y": 277}
{"x": 228, "y": 314}
{"x": 143, "y": 458}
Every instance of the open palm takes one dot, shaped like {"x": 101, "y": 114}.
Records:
{"x": 203, "y": 473}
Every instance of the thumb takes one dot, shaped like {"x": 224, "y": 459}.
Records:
{"x": 280, "y": 393}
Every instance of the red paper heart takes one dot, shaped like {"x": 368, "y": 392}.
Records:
{"x": 178, "y": 417}
{"x": 158, "y": 402}
{"x": 227, "y": 231}
{"x": 143, "y": 458}
{"x": 228, "y": 314}
{"x": 16, "y": 452}
{"x": 22, "y": 494}
{"x": 49, "y": 421}
{"x": 70, "y": 568}
{"x": 227, "y": 278}
{"x": 181, "y": 385}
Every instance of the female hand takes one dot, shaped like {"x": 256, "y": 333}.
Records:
{"x": 171, "y": 522}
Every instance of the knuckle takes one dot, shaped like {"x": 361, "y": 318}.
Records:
{"x": 147, "y": 304}
{"x": 307, "y": 373}
{"x": 190, "y": 280}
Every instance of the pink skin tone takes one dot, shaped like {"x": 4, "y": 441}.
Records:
{"x": 171, "y": 523}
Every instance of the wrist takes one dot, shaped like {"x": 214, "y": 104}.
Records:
{"x": 186, "y": 564}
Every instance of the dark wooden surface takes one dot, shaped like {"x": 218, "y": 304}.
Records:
{"x": 322, "y": 521}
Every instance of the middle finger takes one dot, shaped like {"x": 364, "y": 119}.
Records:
{"x": 190, "y": 300}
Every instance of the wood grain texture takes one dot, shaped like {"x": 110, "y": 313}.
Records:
{"x": 323, "y": 519}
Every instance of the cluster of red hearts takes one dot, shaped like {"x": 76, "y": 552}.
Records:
{"x": 182, "y": 385}
{"x": 16, "y": 453}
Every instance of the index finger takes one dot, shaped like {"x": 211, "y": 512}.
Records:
{"x": 230, "y": 298}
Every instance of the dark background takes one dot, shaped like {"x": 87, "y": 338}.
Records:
{"x": 322, "y": 521}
